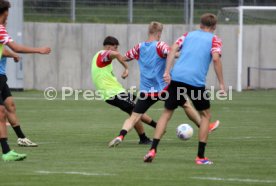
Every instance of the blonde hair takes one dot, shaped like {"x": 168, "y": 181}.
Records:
{"x": 155, "y": 27}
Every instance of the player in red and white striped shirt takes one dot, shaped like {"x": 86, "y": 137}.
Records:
{"x": 7, "y": 105}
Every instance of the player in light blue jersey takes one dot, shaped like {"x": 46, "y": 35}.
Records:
{"x": 196, "y": 49}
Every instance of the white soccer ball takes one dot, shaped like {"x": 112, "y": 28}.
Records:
{"x": 184, "y": 131}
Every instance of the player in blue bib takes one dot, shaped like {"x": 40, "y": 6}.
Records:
{"x": 188, "y": 75}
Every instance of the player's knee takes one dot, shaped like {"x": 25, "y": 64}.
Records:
{"x": 187, "y": 105}
{"x": 11, "y": 107}
{"x": 134, "y": 118}
{"x": 206, "y": 114}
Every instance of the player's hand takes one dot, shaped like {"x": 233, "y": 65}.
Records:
{"x": 167, "y": 77}
{"x": 16, "y": 58}
{"x": 222, "y": 90}
{"x": 45, "y": 50}
{"x": 125, "y": 74}
{"x": 177, "y": 54}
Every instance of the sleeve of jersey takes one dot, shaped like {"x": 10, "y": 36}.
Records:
{"x": 4, "y": 37}
{"x": 216, "y": 45}
{"x": 163, "y": 49}
{"x": 105, "y": 56}
{"x": 180, "y": 40}
{"x": 133, "y": 53}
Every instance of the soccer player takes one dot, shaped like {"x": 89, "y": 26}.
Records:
{"x": 151, "y": 56}
{"x": 10, "y": 106}
{"x": 197, "y": 49}
{"x": 112, "y": 91}
{"x": 7, "y": 106}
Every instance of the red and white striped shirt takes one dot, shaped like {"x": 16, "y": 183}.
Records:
{"x": 4, "y": 36}
{"x": 216, "y": 43}
{"x": 162, "y": 49}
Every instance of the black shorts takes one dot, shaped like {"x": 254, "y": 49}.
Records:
{"x": 123, "y": 101}
{"x": 145, "y": 101}
{"x": 4, "y": 89}
{"x": 198, "y": 95}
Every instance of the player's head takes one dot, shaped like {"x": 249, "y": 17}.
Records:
{"x": 111, "y": 43}
{"x": 4, "y": 11}
{"x": 155, "y": 29}
{"x": 208, "y": 21}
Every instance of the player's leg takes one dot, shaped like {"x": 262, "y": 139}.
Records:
{"x": 127, "y": 126}
{"x": 194, "y": 116}
{"x": 145, "y": 118}
{"x": 140, "y": 108}
{"x": 192, "y": 113}
{"x": 141, "y": 133}
{"x": 159, "y": 131}
{"x": 203, "y": 137}
{"x": 126, "y": 104}
{"x": 13, "y": 119}
{"x": 148, "y": 120}
{"x": 8, "y": 155}
{"x": 170, "y": 105}
{"x": 203, "y": 106}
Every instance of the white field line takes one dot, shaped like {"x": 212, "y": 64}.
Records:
{"x": 249, "y": 137}
{"x": 237, "y": 138}
{"x": 235, "y": 180}
{"x": 29, "y": 98}
{"x": 42, "y": 98}
{"x": 75, "y": 173}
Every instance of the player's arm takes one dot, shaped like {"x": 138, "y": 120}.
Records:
{"x": 120, "y": 58}
{"x": 216, "y": 54}
{"x": 10, "y": 54}
{"x": 132, "y": 53}
{"x": 218, "y": 70}
{"x": 25, "y": 49}
{"x": 169, "y": 63}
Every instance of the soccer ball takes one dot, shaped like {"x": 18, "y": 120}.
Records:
{"x": 184, "y": 131}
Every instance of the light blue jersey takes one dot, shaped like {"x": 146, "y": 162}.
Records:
{"x": 195, "y": 57}
{"x": 3, "y": 63}
{"x": 152, "y": 67}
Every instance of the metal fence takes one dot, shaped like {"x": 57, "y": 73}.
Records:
{"x": 127, "y": 11}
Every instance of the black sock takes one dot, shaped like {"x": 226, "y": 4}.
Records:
{"x": 4, "y": 145}
{"x": 143, "y": 137}
{"x": 18, "y": 132}
{"x": 123, "y": 133}
{"x": 201, "y": 149}
{"x": 153, "y": 124}
{"x": 155, "y": 144}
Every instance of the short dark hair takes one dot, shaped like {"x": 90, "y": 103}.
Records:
{"x": 208, "y": 20}
{"x": 4, "y": 6}
{"x": 110, "y": 40}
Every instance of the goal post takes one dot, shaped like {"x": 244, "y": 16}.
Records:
{"x": 241, "y": 11}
